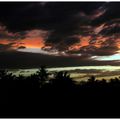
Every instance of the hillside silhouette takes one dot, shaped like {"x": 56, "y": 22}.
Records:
{"x": 38, "y": 95}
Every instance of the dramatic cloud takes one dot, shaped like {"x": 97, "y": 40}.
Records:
{"x": 6, "y": 47}
{"x": 80, "y": 32}
{"x": 28, "y": 39}
{"x": 5, "y": 34}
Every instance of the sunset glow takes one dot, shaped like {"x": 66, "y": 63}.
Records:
{"x": 87, "y": 37}
{"x": 33, "y": 42}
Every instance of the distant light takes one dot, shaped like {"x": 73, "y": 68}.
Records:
{"x": 32, "y": 50}
{"x": 107, "y": 58}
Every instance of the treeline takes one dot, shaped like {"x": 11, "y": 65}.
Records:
{"x": 41, "y": 96}
{"x": 41, "y": 79}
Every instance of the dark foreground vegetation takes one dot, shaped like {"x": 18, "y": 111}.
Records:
{"x": 59, "y": 97}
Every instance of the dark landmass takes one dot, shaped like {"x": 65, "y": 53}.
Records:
{"x": 38, "y": 96}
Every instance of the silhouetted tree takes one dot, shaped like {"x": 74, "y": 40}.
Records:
{"x": 92, "y": 79}
{"x": 4, "y": 74}
{"x": 42, "y": 75}
{"x": 62, "y": 79}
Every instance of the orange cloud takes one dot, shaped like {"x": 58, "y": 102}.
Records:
{"x": 84, "y": 41}
{"x": 29, "y": 39}
{"x": 33, "y": 42}
{"x": 4, "y": 42}
{"x": 99, "y": 40}
{"x": 27, "y": 42}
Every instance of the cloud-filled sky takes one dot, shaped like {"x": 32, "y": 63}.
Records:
{"x": 59, "y": 34}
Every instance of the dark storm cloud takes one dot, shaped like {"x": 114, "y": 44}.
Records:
{"x": 111, "y": 28}
{"x": 111, "y": 13}
{"x": 104, "y": 51}
{"x": 6, "y": 34}
{"x": 64, "y": 43}
{"x": 67, "y": 23}
{"x": 27, "y": 15}
{"x": 63, "y": 31}
{"x": 63, "y": 19}
{"x": 71, "y": 40}
{"x": 6, "y": 47}
{"x": 75, "y": 24}
{"x": 30, "y": 60}
{"x": 21, "y": 47}
{"x": 91, "y": 50}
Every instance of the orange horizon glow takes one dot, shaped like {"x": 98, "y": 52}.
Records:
{"x": 33, "y": 42}
{"x": 4, "y": 42}
{"x": 28, "y": 43}
{"x": 39, "y": 42}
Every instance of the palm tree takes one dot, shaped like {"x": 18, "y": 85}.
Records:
{"x": 42, "y": 75}
{"x": 62, "y": 79}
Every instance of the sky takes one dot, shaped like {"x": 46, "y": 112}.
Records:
{"x": 59, "y": 34}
